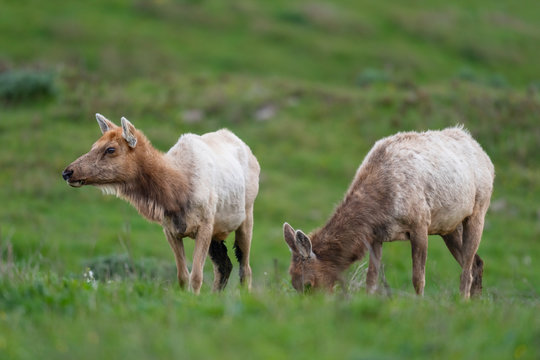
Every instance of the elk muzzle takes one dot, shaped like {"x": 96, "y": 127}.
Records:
{"x": 67, "y": 175}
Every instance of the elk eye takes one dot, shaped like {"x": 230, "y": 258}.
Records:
{"x": 110, "y": 150}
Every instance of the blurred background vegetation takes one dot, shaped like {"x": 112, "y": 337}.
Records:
{"x": 310, "y": 86}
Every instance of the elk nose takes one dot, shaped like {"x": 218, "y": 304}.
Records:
{"x": 66, "y": 174}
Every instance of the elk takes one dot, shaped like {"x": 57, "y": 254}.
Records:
{"x": 204, "y": 188}
{"x": 410, "y": 185}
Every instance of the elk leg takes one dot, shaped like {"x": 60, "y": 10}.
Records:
{"x": 373, "y": 268}
{"x": 242, "y": 245}
{"x": 477, "y": 272}
{"x": 177, "y": 246}
{"x": 453, "y": 242}
{"x": 222, "y": 264}
{"x": 202, "y": 245}
{"x": 472, "y": 234}
{"x": 419, "y": 245}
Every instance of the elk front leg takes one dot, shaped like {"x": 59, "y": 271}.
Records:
{"x": 202, "y": 245}
{"x": 177, "y": 246}
{"x": 419, "y": 245}
{"x": 373, "y": 268}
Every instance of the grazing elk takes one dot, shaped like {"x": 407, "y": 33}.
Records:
{"x": 409, "y": 186}
{"x": 204, "y": 187}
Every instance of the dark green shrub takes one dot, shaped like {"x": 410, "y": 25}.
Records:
{"x": 497, "y": 81}
{"x": 24, "y": 85}
{"x": 467, "y": 74}
{"x": 372, "y": 76}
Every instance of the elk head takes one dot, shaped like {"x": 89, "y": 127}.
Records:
{"x": 110, "y": 161}
{"x": 307, "y": 270}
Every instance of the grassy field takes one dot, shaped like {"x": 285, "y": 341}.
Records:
{"x": 310, "y": 86}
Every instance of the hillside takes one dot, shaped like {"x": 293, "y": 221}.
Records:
{"x": 310, "y": 86}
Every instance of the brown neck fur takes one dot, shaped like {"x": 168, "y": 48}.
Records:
{"x": 155, "y": 188}
{"x": 359, "y": 219}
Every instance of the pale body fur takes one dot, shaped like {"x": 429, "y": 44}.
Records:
{"x": 408, "y": 186}
{"x": 204, "y": 187}
{"x": 221, "y": 184}
{"x": 437, "y": 179}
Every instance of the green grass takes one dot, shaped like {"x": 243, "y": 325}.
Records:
{"x": 74, "y": 319}
{"x": 310, "y": 87}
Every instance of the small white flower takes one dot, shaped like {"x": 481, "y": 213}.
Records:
{"x": 88, "y": 276}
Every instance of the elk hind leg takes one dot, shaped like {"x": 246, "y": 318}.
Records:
{"x": 242, "y": 245}
{"x": 477, "y": 272}
{"x": 471, "y": 276}
{"x": 222, "y": 264}
{"x": 454, "y": 242}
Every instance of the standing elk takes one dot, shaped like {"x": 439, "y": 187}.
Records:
{"x": 204, "y": 187}
{"x": 410, "y": 185}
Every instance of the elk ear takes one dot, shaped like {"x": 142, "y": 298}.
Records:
{"x": 128, "y": 132}
{"x": 104, "y": 123}
{"x": 288, "y": 233}
{"x": 303, "y": 245}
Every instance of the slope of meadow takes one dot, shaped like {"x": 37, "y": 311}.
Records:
{"x": 310, "y": 86}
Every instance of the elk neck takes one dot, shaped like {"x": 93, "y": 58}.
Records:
{"x": 357, "y": 222}
{"x": 157, "y": 187}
